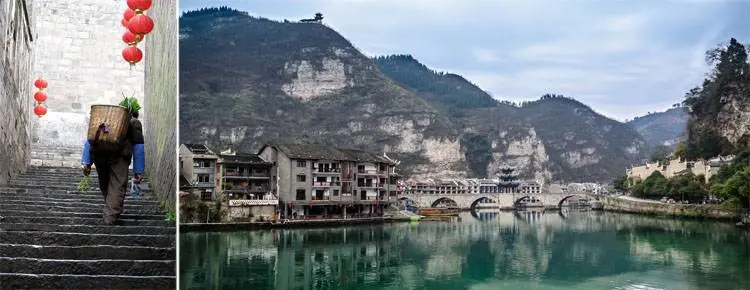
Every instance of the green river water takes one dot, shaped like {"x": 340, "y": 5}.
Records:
{"x": 506, "y": 250}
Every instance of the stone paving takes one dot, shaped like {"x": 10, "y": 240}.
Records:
{"x": 52, "y": 237}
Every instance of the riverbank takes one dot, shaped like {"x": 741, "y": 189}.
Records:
{"x": 287, "y": 224}
{"x": 650, "y": 207}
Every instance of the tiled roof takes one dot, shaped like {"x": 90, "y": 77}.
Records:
{"x": 197, "y": 148}
{"x": 302, "y": 151}
{"x": 243, "y": 158}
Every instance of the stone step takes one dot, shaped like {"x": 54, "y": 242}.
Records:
{"x": 69, "y": 178}
{"x": 74, "y": 174}
{"x": 78, "y": 239}
{"x": 124, "y": 215}
{"x": 46, "y": 186}
{"x": 30, "y": 194}
{"x": 57, "y": 169}
{"x": 91, "y": 229}
{"x": 130, "y": 205}
{"x": 52, "y": 236}
{"x": 86, "y": 252}
{"x": 81, "y": 221}
{"x": 98, "y": 200}
{"x": 53, "y": 281}
{"x": 87, "y": 267}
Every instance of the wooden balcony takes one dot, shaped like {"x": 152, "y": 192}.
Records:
{"x": 371, "y": 172}
{"x": 326, "y": 184}
{"x": 253, "y": 202}
{"x": 253, "y": 175}
{"x": 326, "y": 171}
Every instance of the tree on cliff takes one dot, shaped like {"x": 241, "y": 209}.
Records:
{"x": 730, "y": 78}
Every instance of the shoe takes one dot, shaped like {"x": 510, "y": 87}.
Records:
{"x": 110, "y": 221}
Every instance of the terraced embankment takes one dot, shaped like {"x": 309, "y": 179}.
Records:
{"x": 53, "y": 237}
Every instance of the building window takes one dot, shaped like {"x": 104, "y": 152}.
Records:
{"x": 203, "y": 178}
{"x": 301, "y": 178}
{"x": 335, "y": 192}
{"x": 300, "y": 194}
{"x": 301, "y": 163}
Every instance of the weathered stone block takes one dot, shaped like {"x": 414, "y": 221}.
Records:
{"x": 79, "y": 53}
{"x": 16, "y": 61}
{"x": 161, "y": 101}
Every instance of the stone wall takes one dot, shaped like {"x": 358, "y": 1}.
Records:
{"x": 17, "y": 40}
{"x": 79, "y": 52}
{"x": 160, "y": 106}
{"x": 670, "y": 209}
{"x": 674, "y": 167}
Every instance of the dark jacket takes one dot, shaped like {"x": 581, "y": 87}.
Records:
{"x": 132, "y": 146}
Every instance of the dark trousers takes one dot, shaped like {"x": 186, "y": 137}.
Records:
{"x": 113, "y": 182}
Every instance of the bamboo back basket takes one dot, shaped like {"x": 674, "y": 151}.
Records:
{"x": 107, "y": 126}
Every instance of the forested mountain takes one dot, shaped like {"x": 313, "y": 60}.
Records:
{"x": 247, "y": 80}
{"x": 662, "y": 128}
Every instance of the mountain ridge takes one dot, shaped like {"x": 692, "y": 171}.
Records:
{"x": 667, "y": 128}
{"x": 270, "y": 80}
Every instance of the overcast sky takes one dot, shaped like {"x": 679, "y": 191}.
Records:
{"x": 622, "y": 58}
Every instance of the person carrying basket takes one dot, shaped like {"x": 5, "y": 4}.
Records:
{"x": 110, "y": 147}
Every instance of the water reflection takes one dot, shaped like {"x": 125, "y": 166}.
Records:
{"x": 487, "y": 250}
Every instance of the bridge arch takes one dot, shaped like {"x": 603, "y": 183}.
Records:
{"x": 482, "y": 199}
{"x": 531, "y": 198}
{"x": 445, "y": 200}
{"x": 565, "y": 198}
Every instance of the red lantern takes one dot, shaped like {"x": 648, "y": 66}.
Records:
{"x": 139, "y": 4}
{"x": 140, "y": 24}
{"x": 40, "y": 84}
{"x": 124, "y": 22}
{"x": 40, "y": 96}
{"x": 129, "y": 38}
{"x": 132, "y": 54}
{"x": 40, "y": 110}
{"x": 129, "y": 13}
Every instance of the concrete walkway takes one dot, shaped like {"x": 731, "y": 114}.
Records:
{"x": 639, "y": 199}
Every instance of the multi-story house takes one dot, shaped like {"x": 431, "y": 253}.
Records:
{"x": 198, "y": 167}
{"x": 245, "y": 179}
{"x": 530, "y": 187}
{"x": 488, "y": 186}
{"x": 313, "y": 180}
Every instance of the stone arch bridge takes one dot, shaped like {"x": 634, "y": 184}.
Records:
{"x": 497, "y": 200}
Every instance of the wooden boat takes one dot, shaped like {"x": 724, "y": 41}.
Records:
{"x": 439, "y": 211}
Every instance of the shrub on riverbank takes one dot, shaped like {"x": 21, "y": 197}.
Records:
{"x": 731, "y": 183}
{"x": 733, "y": 180}
{"x": 686, "y": 186}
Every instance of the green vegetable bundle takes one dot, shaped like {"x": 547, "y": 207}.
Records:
{"x": 85, "y": 184}
{"x": 130, "y": 103}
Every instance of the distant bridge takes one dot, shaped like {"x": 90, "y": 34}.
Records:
{"x": 491, "y": 200}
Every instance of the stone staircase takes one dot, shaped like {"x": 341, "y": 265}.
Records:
{"x": 52, "y": 237}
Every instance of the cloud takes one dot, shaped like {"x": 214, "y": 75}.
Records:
{"x": 485, "y": 55}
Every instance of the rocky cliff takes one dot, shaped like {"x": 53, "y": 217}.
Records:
{"x": 662, "y": 128}
{"x": 303, "y": 82}
{"x": 553, "y": 138}
{"x": 720, "y": 109}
